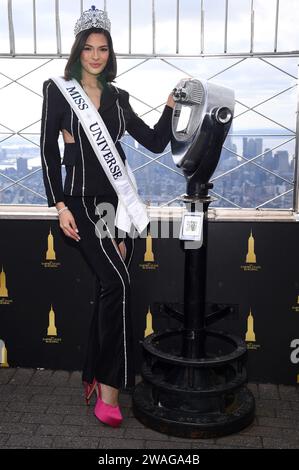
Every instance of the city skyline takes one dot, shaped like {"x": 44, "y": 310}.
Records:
{"x": 247, "y": 186}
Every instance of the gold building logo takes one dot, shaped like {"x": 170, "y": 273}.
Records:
{"x": 3, "y": 288}
{"x": 251, "y": 256}
{"x": 50, "y": 253}
{"x": 149, "y": 323}
{"x": 149, "y": 254}
{"x": 149, "y": 257}
{"x": 250, "y": 259}
{"x": 296, "y": 307}
{"x": 52, "y": 330}
{"x": 250, "y": 333}
{"x": 4, "y": 300}
{"x": 3, "y": 354}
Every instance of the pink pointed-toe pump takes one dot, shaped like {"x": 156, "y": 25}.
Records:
{"x": 108, "y": 414}
{"x": 89, "y": 389}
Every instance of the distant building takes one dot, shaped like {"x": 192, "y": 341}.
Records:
{"x": 268, "y": 160}
{"x": 252, "y": 147}
{"x": 22, "y": 165}
{"x": 282, "y": 158}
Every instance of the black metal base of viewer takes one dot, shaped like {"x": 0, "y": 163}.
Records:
{"x": 194, "y": 378}
{"x": 201, "y": 398}
{"x": 181, "y": 423}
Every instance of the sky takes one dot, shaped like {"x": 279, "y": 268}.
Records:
{"x": 150, "y": 83}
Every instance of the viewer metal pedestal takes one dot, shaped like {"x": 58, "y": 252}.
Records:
{"x": 194, "y": 377}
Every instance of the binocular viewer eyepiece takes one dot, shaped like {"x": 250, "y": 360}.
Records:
{"x": 223, "y": 115}
{"x": 189, "y": 92}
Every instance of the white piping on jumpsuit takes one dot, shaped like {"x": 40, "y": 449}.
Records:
{"x": 74, "y": 167}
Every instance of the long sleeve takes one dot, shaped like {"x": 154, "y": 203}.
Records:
{"x": 155, "y": 139}
{"x": 50, "y": 153}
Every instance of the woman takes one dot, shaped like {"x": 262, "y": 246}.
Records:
{"x": 109, "y": 362}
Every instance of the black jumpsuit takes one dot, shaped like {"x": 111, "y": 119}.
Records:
{"x": 110, "y": 348}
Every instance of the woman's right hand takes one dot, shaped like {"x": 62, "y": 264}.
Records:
{"x": 68, "y": 225}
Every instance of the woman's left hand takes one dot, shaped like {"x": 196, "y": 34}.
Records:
{"x": 170, "y": 101}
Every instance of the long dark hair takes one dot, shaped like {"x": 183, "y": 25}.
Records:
{"x": 73, "y": 67}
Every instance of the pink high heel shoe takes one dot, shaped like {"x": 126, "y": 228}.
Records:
{"x": 107, "y": 414}
{"x": 89, "y": 389}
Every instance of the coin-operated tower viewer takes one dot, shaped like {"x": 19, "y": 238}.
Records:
{"x": 194, "y": 377}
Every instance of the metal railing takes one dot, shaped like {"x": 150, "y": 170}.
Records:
{"x": 178, "y": 6}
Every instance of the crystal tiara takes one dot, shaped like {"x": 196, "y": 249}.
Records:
{"x": 92, "y": 18}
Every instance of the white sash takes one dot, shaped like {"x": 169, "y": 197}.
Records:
{"x": 130, "y": 208}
